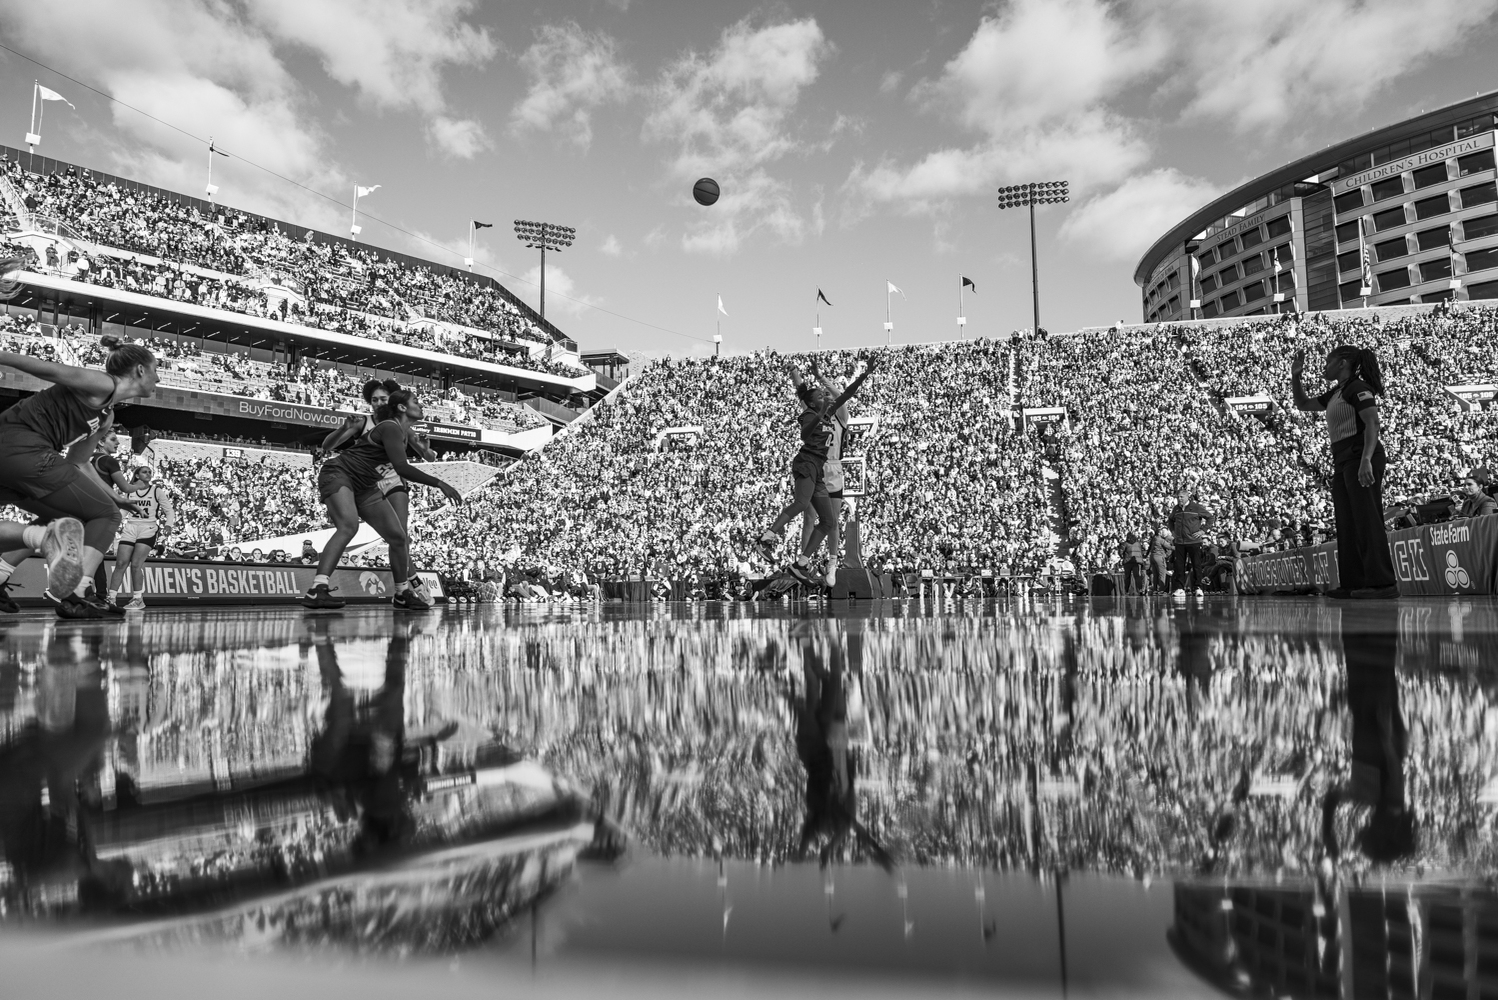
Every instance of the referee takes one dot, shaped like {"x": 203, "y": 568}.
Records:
{"x": 1352, "y": 422}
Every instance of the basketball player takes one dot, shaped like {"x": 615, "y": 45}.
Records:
{"x": 45, "y": 442}
{"x": 831, "y": 489}
{"x": 808, "y": 465}
{"x": 349, "y": 484}
{"x": 148, "y": 528}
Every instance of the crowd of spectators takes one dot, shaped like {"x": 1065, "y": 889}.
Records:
{"x": 241, "y": 263}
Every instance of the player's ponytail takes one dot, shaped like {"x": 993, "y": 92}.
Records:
{"x": 399, "y": 398}
{"x": 1364, "y": 365}
{"x": 124, "y": 358}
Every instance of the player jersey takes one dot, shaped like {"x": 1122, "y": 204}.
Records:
{"x": 106, "y": 466}
{"x": 365, "y": 460}
{"x": 817, "y": 434}
{"x": 58, "y": 416}
{"x": 1344, "y": 417}
{"x": 153, "y": 504}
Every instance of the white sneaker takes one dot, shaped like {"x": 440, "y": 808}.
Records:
{"x": 831, "y": 576}
{"x": 62, "y": 548}
{"x": 1179, "y": 593}
{"x": 1198, "y": 592}
{"x": 137, "y": 603}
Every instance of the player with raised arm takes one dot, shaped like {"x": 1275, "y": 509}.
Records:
{"x": 349, "y": 484}
{"x": 46, "y": 441}
{"x": 808, "y": 467}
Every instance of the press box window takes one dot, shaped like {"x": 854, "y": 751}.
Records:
{"x": 1350, "y": 290}
{"x": 1432, "y": 238}
{"x": 1348, "y": 202}
{"x": 1391, "y": 249}
{"x": 1226, "y": 250}
{"x": 1253, "y": 292}
{"x": 1427, "y": 176}
{"x": 1229, "y": 301}
{"x": 1252, "y": 237}
{"x": 1482, "y": 194}
{"x": 1475, "y": 163}
{"x": 1397, "y": 278}
{"x": 1434, "y": 270}
{"x": 1279, "y": 227}
{"x": 1389, "y": 187}
{"x": 1350, "y": 261}
{"x": 1209, "y": 310}
{"x": 1347, "y": 232}
{"x": 1388, "y": 220}
{"x": 1476, "y": 229}
{"x": 1481, "y": 260}
{"x": 1432, "y": 207}
{"x": 1253, "y": 265}
{"x": 1209, "y": 284}
{"x": 1175, "y": 281}
{"x": 1484, "y": 290}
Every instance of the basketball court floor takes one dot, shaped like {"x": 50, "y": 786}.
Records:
{"x": 1134, "y": 796}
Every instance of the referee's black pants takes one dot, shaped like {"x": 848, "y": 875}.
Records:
{"x": 1362, "y": 547}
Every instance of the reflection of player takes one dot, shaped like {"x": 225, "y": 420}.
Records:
{"x": 140, "y": 534}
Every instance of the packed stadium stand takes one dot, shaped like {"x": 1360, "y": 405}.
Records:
{"x": 953, "y": 487}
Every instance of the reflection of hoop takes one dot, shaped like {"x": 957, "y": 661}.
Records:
{"x": 10, "y": 287}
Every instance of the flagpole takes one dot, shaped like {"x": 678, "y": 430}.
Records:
{"x": 961, "y": 316}
{"x": 353, "y": 220}
{"x": 889, "y": 326}
{"x": 470, "y": 244}
{"x": 31, "y": 147}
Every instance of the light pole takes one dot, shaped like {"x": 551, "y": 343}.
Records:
{"x": 1028, "y": 196}
{"x": 544, "y": 236}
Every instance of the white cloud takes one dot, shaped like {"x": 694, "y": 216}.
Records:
{"x": 1274, "y": 61}
{"x": 462, "y": 138}
{"x": 198, "y": 66}
{"x": 393, "y": 51}
{"x": 573, "y": 74}
{"x": 562, "y": 293}
{"x": 1121, "y": 224}
{"x": 728, "y": 114}
{"x": 1032, "y": 85}
{"x": 611, "y": 246}
{"x": 890, "y": 82}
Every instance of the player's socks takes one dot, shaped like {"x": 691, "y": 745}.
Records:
{"x": 6, "y": 569}
{"x": 321, "y": 579}
{"x": 403, "y": 586}
{"x": 32, "y": 536}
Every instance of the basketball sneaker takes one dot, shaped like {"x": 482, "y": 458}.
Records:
{"x": 73, "y": 607}
{"x": 420, "y": 589}
{"x": 8, "y": 604}
{"x": 106, "y": 609}
{"x": 407, "y": 600}
{"x": 136, "y": 603}
{"x": 62, "y": 549}
{"x": 802, "y": 572}
{"x": 321, "y": 597}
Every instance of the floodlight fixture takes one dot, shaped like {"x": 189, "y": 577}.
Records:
{"x": 544, "y": 236}
{"x": 1028, "y": 196}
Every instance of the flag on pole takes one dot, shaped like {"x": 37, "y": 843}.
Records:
{"x": 968, "y": 283}
{"x": 52, "y": 95}
{"x": 1196, "y": 266}
{"x": 892, "y": 287}
{"x": 362, "y": 191}
{"x": 212, "y": 148}
{"x": 720, "y": 306}
{"x": 482, "y": 225}
{"x": 821, "y": 297}
{"x": 1451, "y": 238}
{"x": 1276, "y": 260}
{"x": 1363, "y": 253}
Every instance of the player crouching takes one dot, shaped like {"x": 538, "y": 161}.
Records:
{"x": 138, "y": 536}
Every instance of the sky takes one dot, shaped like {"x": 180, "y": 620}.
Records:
{"x": 856, "y": 142}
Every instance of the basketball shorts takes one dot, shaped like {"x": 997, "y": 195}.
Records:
{"x": 137, "y": 531}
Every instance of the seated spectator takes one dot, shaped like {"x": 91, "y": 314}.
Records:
{"x": 1473, "y": 502}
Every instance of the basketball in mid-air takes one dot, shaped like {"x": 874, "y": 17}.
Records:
{"x": 705, "y": 191}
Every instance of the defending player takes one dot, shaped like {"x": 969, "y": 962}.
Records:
{"x": 808, "y": 484}
{"x": 46, "y": 441}
{"x": 142, "y": 532}
{"x": 349, "y": 484}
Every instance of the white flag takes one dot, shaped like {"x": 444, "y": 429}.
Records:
{"x": 52, "y": 95}
{"x": 892, "y": 287}
{"x": 720, "y": 306}
{"x": 362, "y": 191}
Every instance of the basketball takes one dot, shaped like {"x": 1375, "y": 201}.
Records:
{"x": 705, "y": 191}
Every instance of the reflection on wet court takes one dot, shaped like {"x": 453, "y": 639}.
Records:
{"x": 1289, "y": 796}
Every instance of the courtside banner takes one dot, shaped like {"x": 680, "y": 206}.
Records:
{"x": 1291, "y": 571}
{"x": 184, "y": 582}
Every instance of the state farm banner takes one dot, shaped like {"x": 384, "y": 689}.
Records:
{"x": 1450, "y": 558}
{"x": 1434, "y": 560}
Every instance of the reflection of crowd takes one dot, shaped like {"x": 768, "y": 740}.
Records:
{"x": 1137, "y": 742}
{"x": 244, "y": 264}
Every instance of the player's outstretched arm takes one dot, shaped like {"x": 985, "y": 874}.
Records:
{"x": 90, "y": 382}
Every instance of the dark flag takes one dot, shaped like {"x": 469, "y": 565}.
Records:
{"x": 482, "y": 225}
{"x": 968, "y": 283}
{"x": 821, "y": 297}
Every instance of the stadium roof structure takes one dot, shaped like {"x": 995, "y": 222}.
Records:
{"x": 1313, "y": 173}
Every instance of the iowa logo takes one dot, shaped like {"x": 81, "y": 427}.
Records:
{"x": 1457, "y": 577}
{"x": 371, "y": 584}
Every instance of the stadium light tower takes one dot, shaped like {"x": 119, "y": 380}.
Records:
{"x": 544, "y": 236}
{"x": 1028, "y": 196}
